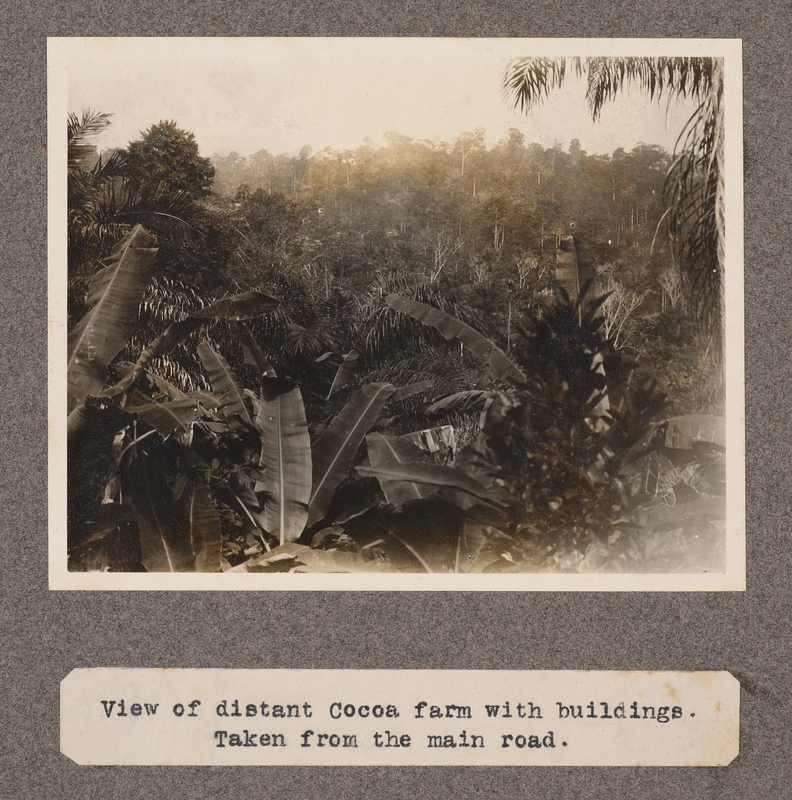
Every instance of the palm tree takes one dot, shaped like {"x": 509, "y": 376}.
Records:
{"x": 104, "y": 203}
{"x": 694, "y": 187}
{"x": 90, "y": 178}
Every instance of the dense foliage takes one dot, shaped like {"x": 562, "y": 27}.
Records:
{"x": 462, "y": 203}
{"x": 363, "y": 360}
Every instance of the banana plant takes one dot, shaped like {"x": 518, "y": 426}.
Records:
{"x": 115, "y": 295}
{"x": 550, "y": 452}
{"x": 451, "y": 328}
{"x": 297, "y": 479}
{"x": 102, "y": 417}
{"x": 213, "y": 450}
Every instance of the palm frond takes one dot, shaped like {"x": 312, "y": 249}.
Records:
{"x": 80, "y": 152}
{"x": 428, "y": 364}
{"x": 102, "y": 211}
{"x": 680, "y": 77}
{"x": 115, "y": 166}
{"x": 90, "y": 123}
{"x": 694, "y": 191}
{"x": 528, "y": 81}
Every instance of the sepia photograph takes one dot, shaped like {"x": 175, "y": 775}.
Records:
{"x": 396, "y": 314}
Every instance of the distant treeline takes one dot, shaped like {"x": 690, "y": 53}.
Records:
{"x": 507, "y": 199}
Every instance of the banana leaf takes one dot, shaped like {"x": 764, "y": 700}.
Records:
{"x": 174, "y": 334}
{"x": 207, "y": 399}
{"x": 286, "y": 457}
{"x": 382, "y": 451}
{"x": 338, "y": 444}
{"x": 123, "y": 368}
{"x": 431, "y": 474}
{"x": 254, "y": 357}
{"x": 681, "y": 432}
{"x": 89, "y": 435}
{"x": 164, "y": 538}
{"x": 254, "y": 399}
{"x": 439, "y": 442}
{"x": 345, "y": 374}
{"x": 241, "y": 306}
{"x": 482, "y": 548}
{"x": 106, "y": 541}
{"x": 248, "y": 502}
{"x": 450, "y": 328}
{"x": 115, "y": 296}
{"x": 172, "y": 416}
{"x": 79, "y": 421}
{"x": 203, "y": 525}
{"x": 479, "y": 461}
{"x": 225, "y": 384}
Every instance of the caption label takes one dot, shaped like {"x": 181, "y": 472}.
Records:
{"x": 399, "y": 717}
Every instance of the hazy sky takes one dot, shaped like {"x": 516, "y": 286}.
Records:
{"x": 281, "y": 94}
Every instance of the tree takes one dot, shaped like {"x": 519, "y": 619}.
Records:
{"x": 106, "y": 199}
{"x": 109, "y": 194}
{"x": 169, "y": 155}
{"x": 466, "y": 145}
{"x": 90, "y": 181}
{"x": 694, "y": 184}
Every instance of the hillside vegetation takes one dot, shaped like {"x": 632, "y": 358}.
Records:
{"x": 364, "y": 361}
